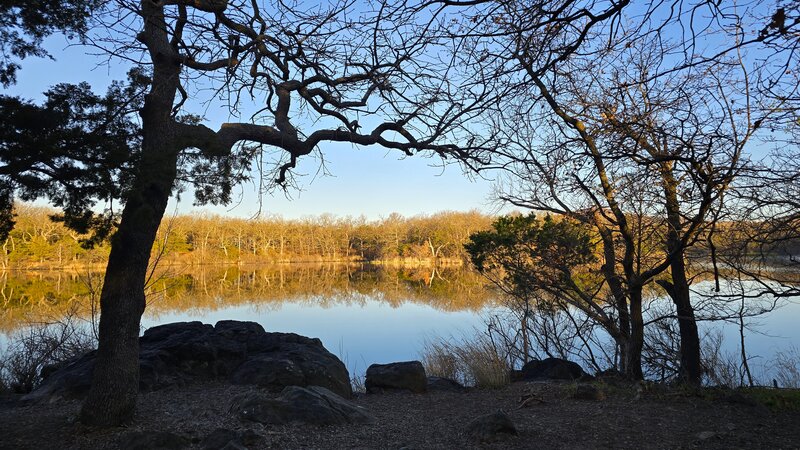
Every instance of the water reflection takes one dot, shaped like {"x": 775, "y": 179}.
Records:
{"x": 363, "y": 313}
{"x": 36, "y": 296}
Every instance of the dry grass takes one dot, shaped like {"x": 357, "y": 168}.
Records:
{"x": 472, "y": 362}
{"x": 785, "y": 368}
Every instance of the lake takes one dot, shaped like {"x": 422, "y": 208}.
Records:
{"x": 365, "y": 314}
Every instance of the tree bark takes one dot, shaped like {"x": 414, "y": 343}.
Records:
{"x": 115, "y": 379}
{"x": 691, "y": 369}
{"x": 633, "y": 366}
{"x": 619, "y": 295}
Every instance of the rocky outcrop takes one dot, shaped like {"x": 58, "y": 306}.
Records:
{"x": 491, "y": 426}
{"x": 398, "y": 376}
{"x": 313, "y": 405}
{"x": 553, "y": 369}
{"x": 238, "y": 352}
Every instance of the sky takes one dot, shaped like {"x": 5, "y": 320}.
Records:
{"x": 368, "y": 181}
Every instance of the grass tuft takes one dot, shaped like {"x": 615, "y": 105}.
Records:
{"x": 473, "y": 362}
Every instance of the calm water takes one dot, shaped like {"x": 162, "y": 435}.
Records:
{"x": 360, "y": 334}
{"x": 363, "y": 314}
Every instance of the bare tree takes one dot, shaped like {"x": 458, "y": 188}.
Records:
{"x": 314, "y": 75}
{"x": 636, "y": 120}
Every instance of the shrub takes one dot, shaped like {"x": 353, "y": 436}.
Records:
{"x": 39, "y": 345}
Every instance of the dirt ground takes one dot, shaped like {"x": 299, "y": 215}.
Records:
{"x": 631, "y": 416}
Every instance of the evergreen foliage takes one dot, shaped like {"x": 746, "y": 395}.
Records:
{"x": 525, "y": 254}
{"x": 75, "y": 149}
{"x": 25, "y": 23}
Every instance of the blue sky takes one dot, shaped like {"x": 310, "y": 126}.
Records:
{"x": 369, "y": 181}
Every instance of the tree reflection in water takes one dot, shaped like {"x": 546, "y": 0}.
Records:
{"x": 35, "y": 296}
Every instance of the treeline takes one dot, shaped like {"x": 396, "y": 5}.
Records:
{"x": 38, "y": 242}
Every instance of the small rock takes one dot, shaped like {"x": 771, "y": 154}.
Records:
{"x": 553, "y": 369}
{"x": 444, "y": 384}
{"x": 232, "y": 445}
{"x": 588, "y": 392}
{"x": 153, "y": 440}
{"x": 403, "y": 376}
{"x": 491, "y": 426}
{"x": 706, "y": 435}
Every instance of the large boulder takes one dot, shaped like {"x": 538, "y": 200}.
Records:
{"x": 398, "y": 376}
{"x": 238, "y": 352}
{"x": 553, "y": 369}
{"x": 313, "y": 405}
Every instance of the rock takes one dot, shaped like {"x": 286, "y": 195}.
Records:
{"x": 491, "y": 426}
{"x": 706, "y": 435}
{"x": 398, "y": 376}
{"x": 553, "y": 369}
{"x": 269, "y": 372}
{"x": 233, "y": 446}
{"x": 588, "y": 392}
{"x": 444, "y": 384}
{"x": 222, "y": 438}
{"x": 153, "y": 440}
{"x": 239, "y": 352}
{"x": 71, "y": 380}
{"x": 234, "y": 328}
{"x": 314, "y": 405}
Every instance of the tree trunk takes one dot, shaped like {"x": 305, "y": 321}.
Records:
{"x": 633, "y": 366}
{"x": 620, "y": 298}
{"x": 691, "y": 370}
{"x": 115, "y": 380}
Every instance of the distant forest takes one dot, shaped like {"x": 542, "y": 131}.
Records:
{"x": 38, "y": 242}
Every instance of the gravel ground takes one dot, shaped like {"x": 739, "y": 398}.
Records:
{"x": 629, "y": 417}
